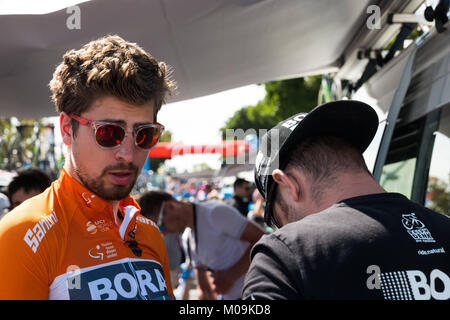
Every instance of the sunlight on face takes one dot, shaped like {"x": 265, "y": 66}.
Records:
{"x": 110, "y": 173}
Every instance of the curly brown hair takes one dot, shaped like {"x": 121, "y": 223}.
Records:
{"x": 109, "y": 66}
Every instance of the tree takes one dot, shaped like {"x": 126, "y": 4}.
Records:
{"x": 5, "y": 141}
{"x": 20, "y": 142}
{"x": 283, "y": 99}
{"x": 199, "y": 167}
{"x": 166, "y": 136}
{"x": 294, "y": 95}
{"x": 439, "y": 195}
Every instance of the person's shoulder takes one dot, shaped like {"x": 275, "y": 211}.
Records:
{"x": 147, "y": 224}
{"x": 206, "y": 207}
{"x": 436, "y": 216}
{"x": 214, "y": 205}
{"x": 435, "y": 222}
{"x": 28, "y": 212}
{"x": 144, "y": 221}
{"x": 31, "y": 222}
{"x": 149, "y": 229}
{"x": 336, "y": 222}
{"x": 220, "y": 210}
{"x": 338, "y": 214}
{"x": 410, "y": 206}
{"x": 230, "y": 202}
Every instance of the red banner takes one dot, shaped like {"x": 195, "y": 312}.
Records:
{"x": 226, "y": 148}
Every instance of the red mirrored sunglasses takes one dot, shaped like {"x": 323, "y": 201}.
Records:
{"x": 110, "y": 135}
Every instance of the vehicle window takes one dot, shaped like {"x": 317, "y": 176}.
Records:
{"x": 399, "y": 177}
{"x": 399, "y": 169}
{"x": 438, "y": 188}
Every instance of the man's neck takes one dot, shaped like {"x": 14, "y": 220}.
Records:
{"x": 71, "y": 170}
{"x": 349, "y": 186}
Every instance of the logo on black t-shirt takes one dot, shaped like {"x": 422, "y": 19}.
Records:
{"x": 409, "y": 284}
{"x": 416, "y": 228}
{"x": 414, "y": 285}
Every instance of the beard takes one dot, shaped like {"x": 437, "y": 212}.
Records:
{"x": 285, "y": 208}
{"x": 290, "y": 213}
{"x": 108, "y": 191}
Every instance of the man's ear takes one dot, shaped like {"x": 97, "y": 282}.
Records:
{"x": 65, "y": 126}
{"x": 169, "y": 205}
{"x": 287, "y": 183}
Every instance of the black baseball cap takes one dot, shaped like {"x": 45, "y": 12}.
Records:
{"x": 351, "y": 120}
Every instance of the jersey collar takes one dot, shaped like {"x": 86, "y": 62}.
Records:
{"x": 95, "y": 207}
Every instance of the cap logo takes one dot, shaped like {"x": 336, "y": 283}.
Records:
{"x": 291, "y": 124}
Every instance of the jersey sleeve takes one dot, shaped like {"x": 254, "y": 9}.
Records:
{"x": 166, "y": 268}
{"x": 228, "y": 220}
{"x": 273, "y": 272}
{"x": 154, "y": 238}
{"x": 23, "y": 262}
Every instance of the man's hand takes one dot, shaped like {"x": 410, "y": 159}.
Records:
{"x": 222, "y": 281}
{"x": 205, "y": 284}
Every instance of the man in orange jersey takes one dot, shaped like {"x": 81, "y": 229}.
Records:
{"x": 83, "y": 238}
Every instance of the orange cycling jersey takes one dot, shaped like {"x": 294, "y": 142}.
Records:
{"x": 67, "y": 243}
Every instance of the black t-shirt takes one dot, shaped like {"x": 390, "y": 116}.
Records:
{"x": 379, "y": 246}
{"x": 239, "y": 203}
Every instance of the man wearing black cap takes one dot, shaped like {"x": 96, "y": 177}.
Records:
{"x": 341, "y": 235}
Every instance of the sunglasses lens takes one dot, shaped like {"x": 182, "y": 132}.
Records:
{"x": 109, "y": 135}
{"x": 147, "y": 137}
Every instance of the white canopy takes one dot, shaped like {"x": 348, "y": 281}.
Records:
{"x": 212, "y": 45}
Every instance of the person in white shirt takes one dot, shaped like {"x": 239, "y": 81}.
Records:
{"x": 218, "y": 243}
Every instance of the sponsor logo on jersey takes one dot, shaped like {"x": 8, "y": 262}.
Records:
{"x": 146, "y": 221}
{"x": 430, "y": 251}
{"x": 416, "y": 228}
{"x": 414, "y": 284}
{"x": 104, "y": 250}
{"x": 409, "y": 284}
{"x": 119, "y": 280}
{"x": 143, "y": 219}
{"x": 99, "y": 225}
{"x": 91, "y": 228}
{"x": 87, "y": 198}
{"x": 34, "y": 236}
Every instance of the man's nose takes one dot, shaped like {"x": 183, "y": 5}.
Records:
{"x": 127, "y": 149}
